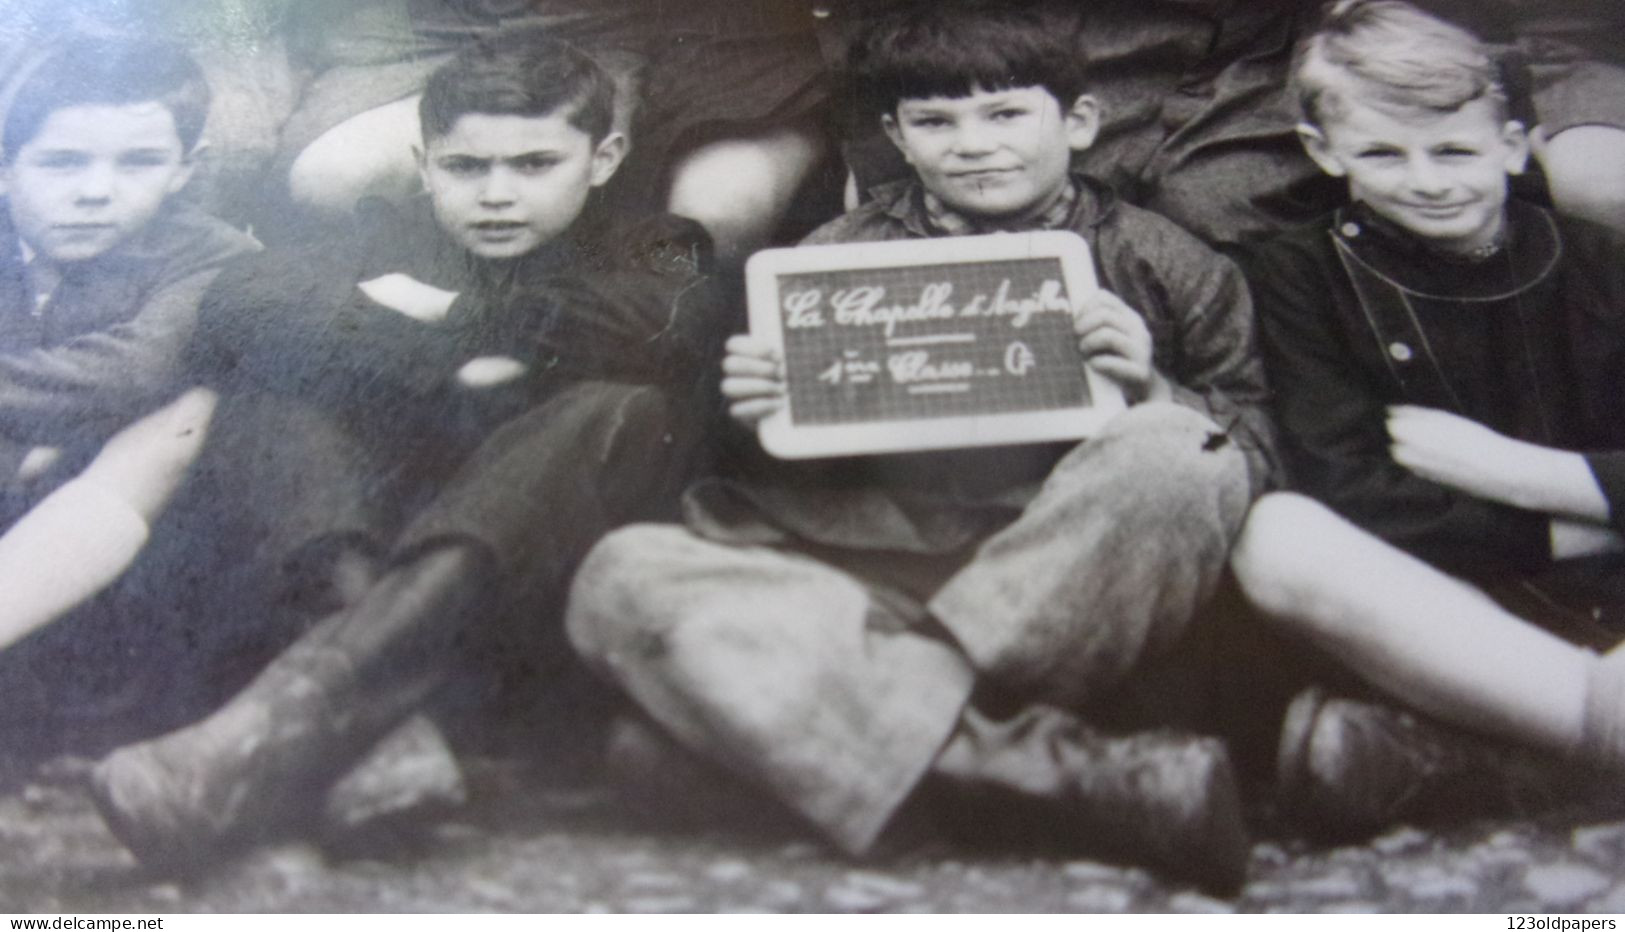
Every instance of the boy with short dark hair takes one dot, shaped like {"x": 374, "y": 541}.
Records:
{"x": 423, "y": 430}
{"x": 1446, "y": 362}
{"x": 102, "y": 268}
{"x": 724, "y": 99}
{"x": 843, "y": 632}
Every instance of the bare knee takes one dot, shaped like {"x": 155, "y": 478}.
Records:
{"x": 660, "y": 636}
{"x": 740, "y": 188}
{"x": 604, "y": 617}
{"x": 1585, "y": 167}
{"x": 1169, "y": 458}
{"x": 369, "y": 154}
{"x": 146, "y": 462}
{"x": 1284, "y": 548}
{"x": 181, "y": 424}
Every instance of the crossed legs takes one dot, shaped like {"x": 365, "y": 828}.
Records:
{"x": 1427, "y": 638}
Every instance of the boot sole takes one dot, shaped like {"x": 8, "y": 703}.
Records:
{"x": 1292, "y": 761}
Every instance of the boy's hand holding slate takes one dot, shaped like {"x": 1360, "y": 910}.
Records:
{"x": 906, "y": 345}
{"x": 1114, "y": 339}
{"x": 752, "y": 379}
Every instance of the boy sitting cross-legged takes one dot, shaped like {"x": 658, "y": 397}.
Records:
{"x": 822, "y": 629}
{"x": 422, "y": 429}
{"x": 1447, "y": 367}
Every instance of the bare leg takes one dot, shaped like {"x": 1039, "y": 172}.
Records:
{"x": 740, "y": 188}
{"x": 1585, "y": 166}
{"x": 1425, "y": 637}
{"x": 369, "y": 154}
{"x": 84, "y": 535}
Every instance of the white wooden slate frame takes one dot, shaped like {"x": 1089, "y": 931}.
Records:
{"x": 780, "y": 434}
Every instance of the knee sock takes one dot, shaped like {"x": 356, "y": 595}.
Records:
{"x": 1603, "y": 735}
{"x": 70, "y": 546}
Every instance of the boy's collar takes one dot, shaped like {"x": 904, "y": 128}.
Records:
{"x": 42, "y": 276}
{"x": 1533, "y": 248}
{"x": 950, "y": 222}
{"x": 1086, "y": 203}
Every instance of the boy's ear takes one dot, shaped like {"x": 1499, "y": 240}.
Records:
{"x": 1516, "y": 139}
{"x": 189, "y": 163}
{"x": 420, "y": 158}
{"x": 607, "y": 157}
{"x": 888, "y": 123}
{"x": 1082, "y": 122}
{"x": 1320, "y": 149}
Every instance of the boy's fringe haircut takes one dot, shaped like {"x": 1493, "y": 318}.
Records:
{"x": 520, "y": 72}
{"x": 1389, "y": 54}
{"x": 90, "y": 71}
{"x": 951, "y": 48}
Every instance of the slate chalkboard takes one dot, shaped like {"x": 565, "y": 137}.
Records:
{"x": 927, "y": 344}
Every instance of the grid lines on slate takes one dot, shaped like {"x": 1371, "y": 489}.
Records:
{"x": 1054, "y": 380}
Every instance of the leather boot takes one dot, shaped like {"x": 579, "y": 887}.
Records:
{"x": 264, "y": 760}
{"x": 1602, "y": 740}
{"x": 410, "y": 773}
{"x": 1349, "y": 768}
{"x": 1165, "y": 800}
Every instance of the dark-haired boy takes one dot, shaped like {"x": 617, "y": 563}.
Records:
{"x": 102, "y": 268}
{"x": 424, "y": 429}
{"x": 723, "y": 99}
{"x": 822, "y": 630}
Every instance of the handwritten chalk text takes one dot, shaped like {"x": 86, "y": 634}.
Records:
{"x": 865, "y": 306}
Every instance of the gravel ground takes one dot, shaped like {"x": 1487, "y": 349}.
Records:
{"x": 547, "y": 846}
{"x": 528, "y": 845}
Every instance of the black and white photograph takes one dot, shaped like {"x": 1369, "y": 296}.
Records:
{"x": 812, "y": 456}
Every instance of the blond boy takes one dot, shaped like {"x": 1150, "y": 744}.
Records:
{"x": 1445, "y": 362}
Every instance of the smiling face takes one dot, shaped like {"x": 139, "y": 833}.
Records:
{"x": 92, "y": 176}
{"x": 503, "y": 185}
{"x": 998, "y": 154}
{"x": 1442, "y": 177}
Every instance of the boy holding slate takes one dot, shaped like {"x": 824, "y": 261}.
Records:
{"x": 846, "y": 632}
